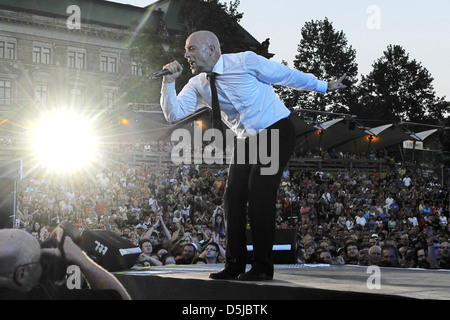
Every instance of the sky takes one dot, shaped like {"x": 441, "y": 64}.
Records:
{"x": 421, "y": 27}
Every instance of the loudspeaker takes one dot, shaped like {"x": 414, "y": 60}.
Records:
{"x": 6, "y": 202}
{"x": 352, "y": 125}
{"x": 10, "y": 170}
{"x": 284, "y": 249}
{"x": 109, "y": 250}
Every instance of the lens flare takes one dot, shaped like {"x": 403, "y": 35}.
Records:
{"x": 64, "y": 141}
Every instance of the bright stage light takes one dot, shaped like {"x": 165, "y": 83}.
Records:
{"x": 64, "y": 141}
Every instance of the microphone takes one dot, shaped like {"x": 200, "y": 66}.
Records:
{"x": 162, "y": 72}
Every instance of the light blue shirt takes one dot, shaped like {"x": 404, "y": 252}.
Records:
{"x": 247, "y": 99}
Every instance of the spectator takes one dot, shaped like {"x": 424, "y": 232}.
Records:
{"x": 341, "y": 222}
{"x": 422, "y": 259}
{"x": 445, "y": 247}
{"x": 385, "y": 216}
{"x": 390, "y": 241}
{"x": 373, "y": 240}
{"x": 361, "y": 220}
{"x": 168, "y": 259}
{"x": 349, "y": 224}
{"x": 147, "y": 257}
{"x": 188, "y": 254}
{"x": 413, "y": 221}
{"x": 363, "y": 255}
{"x": 374, "y": 255}
{"x": 426, "y": 210}
{"x": 100, "y": 207}
{"x": 351, "y": 253}
{"x": 211, "y": 253}
{"x": 325, "y": 257}
{"x": 407, "y": 181}
{"x": 410, "y": 260}
{"x": 440, "y": 262}
{"x": 310, "y": 252}
{"x": 394, "y": 207}
{"x": 304, "y": 212}
{"x": 389, "y": 256}
{"x": 218, "y": 221}
{"x": 443, "y": 221}
{"x": 160, "y": 252}
{"x": 392, "y": 224}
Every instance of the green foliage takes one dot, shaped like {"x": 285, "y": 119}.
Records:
{"x": 399, "y": 88}
{"x": 214, "y": 16}
{"x": 325, "y": 53}
{"x": 152, "y": 49}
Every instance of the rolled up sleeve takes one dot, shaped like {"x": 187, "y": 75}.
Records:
{"x": 176, "y": 107}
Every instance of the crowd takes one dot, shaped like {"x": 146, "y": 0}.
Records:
{"x": 175, "y": 214}
{"x": 165, "y": 147}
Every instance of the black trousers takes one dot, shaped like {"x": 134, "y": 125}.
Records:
{"x": 251, "y": 192}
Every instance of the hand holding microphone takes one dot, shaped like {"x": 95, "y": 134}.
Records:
{"x": 170, "y": 72}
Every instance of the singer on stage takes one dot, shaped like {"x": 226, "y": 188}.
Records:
{"x": 248, "y": 105}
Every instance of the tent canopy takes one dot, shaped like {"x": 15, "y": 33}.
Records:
{"x": 349, "y": 135}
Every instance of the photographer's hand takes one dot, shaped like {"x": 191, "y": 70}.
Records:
{"x": 98, "y": 278}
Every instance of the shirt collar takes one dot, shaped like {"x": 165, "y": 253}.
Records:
{"x": 218, "y": 67}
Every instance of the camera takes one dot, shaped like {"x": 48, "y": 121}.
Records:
{"x": 54, "y": 267}
{"x": 104, "y": 247}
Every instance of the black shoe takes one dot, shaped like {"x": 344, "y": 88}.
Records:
{"x": 225, "y": 274}
{"x": 254, "y": 276}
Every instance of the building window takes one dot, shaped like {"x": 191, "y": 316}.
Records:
{"x": 76, "y": 97}
{"x": 109, "y": 62}
{"x": 103, "y": 63}
{"x": 109, "y": 98}
{"x": 5, "y": 92}
{"x": 42, "y": 53}
{"x": 76, "y": 58}
{"x": 7, "y": 50}
{"x": 41, "y": 94}
{"x": 36, "y": 54}
{"x": 112, "y": 65}
{"x": 135, "y": 69}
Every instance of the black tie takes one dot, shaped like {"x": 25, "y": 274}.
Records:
{"x": 217, "y": 119}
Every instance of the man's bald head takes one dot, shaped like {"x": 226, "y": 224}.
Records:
{"x": 17, "y": 247}
{"x": 19, "y": 252}
{"x": 202, "y": 51}
{"x": 208, "y": 38}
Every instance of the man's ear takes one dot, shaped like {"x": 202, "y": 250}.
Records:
{"x": 20, "y": 276}
{"x": 211, "y": 49}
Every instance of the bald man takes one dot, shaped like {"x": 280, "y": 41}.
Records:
{"x": 21, "y": 271}
{"x": 251, "y": 109}
{"x": 20, "y": 254}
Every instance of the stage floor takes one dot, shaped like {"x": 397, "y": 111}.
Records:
{"x": 291, "y": 282}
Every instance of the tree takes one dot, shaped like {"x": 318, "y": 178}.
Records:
{"x": 151, "y": 49}
{"x": 325, "y": 53}
{"x": 400, "y": 89}
{"x": 155, "y": 46}
{"x": 216, "y": 17}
